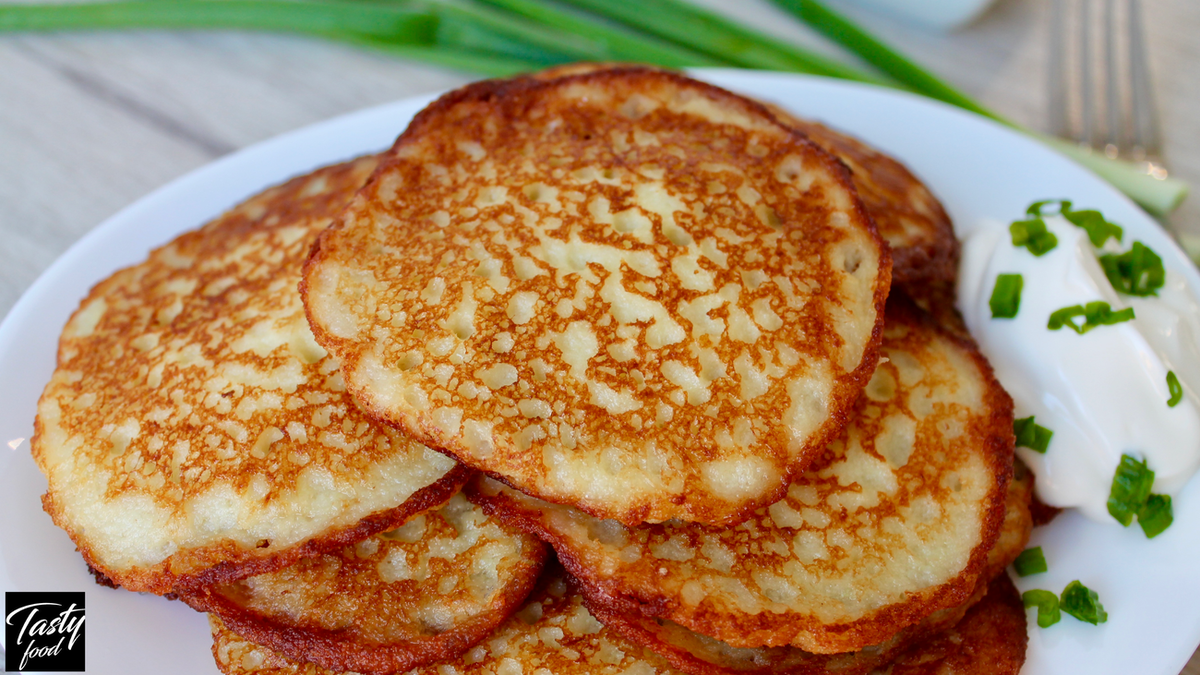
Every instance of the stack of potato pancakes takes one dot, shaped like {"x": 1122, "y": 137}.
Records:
{"x": 707, "y": 352}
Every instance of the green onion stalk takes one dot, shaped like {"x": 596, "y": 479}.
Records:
{"x": 1158, "y": 195}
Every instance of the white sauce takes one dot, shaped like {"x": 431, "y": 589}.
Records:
{"x": 1103, "y": 393}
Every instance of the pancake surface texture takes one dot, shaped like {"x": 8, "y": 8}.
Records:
{"x": 420, "y": 594}
{"x": 896, "y": 524}
{"x": 698, "y": 654}
{"x": 194, "y": 431}
{"x": 623, "y": 289}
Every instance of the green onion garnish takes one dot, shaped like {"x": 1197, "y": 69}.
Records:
{"x": 1094, "y": 314}
{"x": 1138, "y": 271}
{"x": 1033, "y": 235}
{"x": 709, "y": 32}
{"x": 1047, "y": 604}
{"x": 1098, "y": 229}
{"x": 1082, "y": 603}
{"x": 1006, "y": 296}
{"x": 1130, "y": 489}
{"x": 1155, "y": 515}
{"x": 1174, "y": 388}
{"x": 1031, "y": 435}
{"x": 1031, "y": 561}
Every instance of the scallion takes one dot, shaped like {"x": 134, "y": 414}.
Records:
{"x": 1157, "y": 195}
{"x": 1031, "y": 435}
{"x": 1094, "y": 315}
{"x": 1033, "y": 235}
{"x": 1082, "y": 603}
{"x": 1174, "y": 389}
{"x": 1030, "y": 561}
{"x": 1006, "y": 296}
{"x": 1155, "y": 515}
{"x": 1047, "y": 606}
{"x": 1131, "y": 486}
{"x": 1138, "y": 271}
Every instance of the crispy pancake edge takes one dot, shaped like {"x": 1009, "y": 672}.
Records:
{"x": 908, "y": 643}
{"x": 160, "y": 579}
{"x": 843, "y": 394}
{"x": 181, "y": 568}
{"x": 328, "y": 649}
{"x": 990, "y": 640}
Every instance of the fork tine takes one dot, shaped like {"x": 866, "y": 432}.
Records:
{"x": 1115, "y": 137}
{"x": 1086, "y": 83}
{"x": 1057, "y": 94}
{"x": 1147, "y": 137}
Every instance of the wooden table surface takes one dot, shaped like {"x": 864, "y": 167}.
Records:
{"x": 90, "y": 122}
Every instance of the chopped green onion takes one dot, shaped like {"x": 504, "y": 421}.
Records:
{"x": 1155, "y": 515}
{"x": 1033, "y": 235}
{"x": 1138, "y": 271}
{"x": 1006, "y": 296}
{"x": 1082, "y": 603}
{"x": 1130, "y": 489}
{"x": 1031, "y": 435}
{"x": 1047, "y": 604}
{"x": 1094, "y": 314}
{"x": 1174, "y": 388}
{"x": 1031, "y": 561}
{"x": 1098, "y": 229}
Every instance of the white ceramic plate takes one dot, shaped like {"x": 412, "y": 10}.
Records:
{"x": 1151, "y": 589}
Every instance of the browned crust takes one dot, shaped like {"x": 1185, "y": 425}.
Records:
{"x": 682, "y": 652}
{"x": 842, "y": 397}
{"x": 767, "y": 629}
{"x": 928, "y": 639}
{"x": 161, "y": 579}
{"x": 990, "y": 640}
{"x": 338, "y": 651}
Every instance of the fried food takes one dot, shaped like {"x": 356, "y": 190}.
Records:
{"x": 194, "y": 431}
{"x": 895, "y": 524}
{"x": 990, "y": 640}
{"x": 909, "y": 217}
{"x": 698, "y": 654}
{"x": 420, "y": 594}
{"x": 555, "y": 633}
{"x": 623, "y": 289}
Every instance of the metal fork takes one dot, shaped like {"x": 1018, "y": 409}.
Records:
{"x": 1100, "y": 89}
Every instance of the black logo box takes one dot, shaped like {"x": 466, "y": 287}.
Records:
{"x": 43, "y": 632}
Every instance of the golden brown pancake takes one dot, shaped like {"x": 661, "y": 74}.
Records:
{"x": 194, "y": 431}
{"x": 990, "y": 640}
{"x": 555, "y": 633}
{"x": 624, "y": 290}
{"x": 910, "y": 219}
{"x": 895, "y": 524}
{"x": 420, "y": 594}
{"x": 698, "y": 654}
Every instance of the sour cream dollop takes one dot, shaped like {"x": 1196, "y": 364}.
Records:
{"x": 1103, "y": 393}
